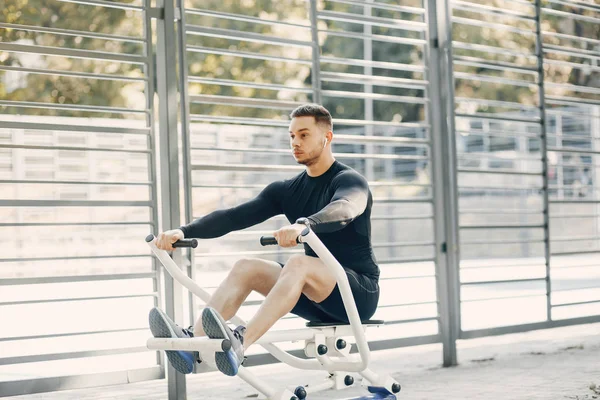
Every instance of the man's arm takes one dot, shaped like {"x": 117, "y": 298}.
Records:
{"x": 255, "y": 211}
{"x": 348, "y": 202}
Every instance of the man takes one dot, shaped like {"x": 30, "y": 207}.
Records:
{"x": 337, "y": 202}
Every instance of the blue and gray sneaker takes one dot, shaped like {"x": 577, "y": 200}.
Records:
{"x": 163, "y": 327}
{"x": 215, "y": 327}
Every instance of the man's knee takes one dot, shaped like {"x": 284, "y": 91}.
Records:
{"x": 243, "y": 268}
{"x": 297, "y": 266}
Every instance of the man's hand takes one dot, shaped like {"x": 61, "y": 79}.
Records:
{"x": 166, "y": 239}
{"x": 286, "y": 236}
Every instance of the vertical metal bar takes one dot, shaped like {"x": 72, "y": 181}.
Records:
{"x": 560, "y": 172}
{"x": 368, "y": 71}
{"x": 169, "y": 167}
{"x": 595, "y": 134}
{"x": 185, "y": 139}
{"x": 544, "y": 150}
{"x": 445, "y": 194}
{"x": 150, "y": 74}
{"x": 316, "y": 53}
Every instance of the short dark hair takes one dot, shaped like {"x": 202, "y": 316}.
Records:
{"x": 320, "y": 113}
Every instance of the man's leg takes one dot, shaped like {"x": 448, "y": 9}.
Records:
{"x": 247, "y": 275}
{"x": 301, "y": 274}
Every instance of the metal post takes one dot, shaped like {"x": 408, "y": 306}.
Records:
{"x": 169, "y": 165}
{"x": 544, "y": 151}
{"x": 316, "y": 53}
{"x": 445, "y": 194}
{"x": 595, "y": 134}
{"x": 149, "y": 72}
{"x": 186, "y": 133}
{"x": 560, "y": 171}
{"x": 369, "y": 113}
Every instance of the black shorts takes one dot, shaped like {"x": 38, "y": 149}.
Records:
{"x": 366, "y": 295}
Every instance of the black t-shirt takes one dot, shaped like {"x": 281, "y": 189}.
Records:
{"x": 337, "y": 203}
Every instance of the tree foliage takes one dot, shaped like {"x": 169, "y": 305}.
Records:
{"x": 53, "y": 87}
{"x": 292, "y": 70}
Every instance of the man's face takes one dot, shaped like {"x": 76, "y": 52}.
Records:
{"x": 307, "y": 139}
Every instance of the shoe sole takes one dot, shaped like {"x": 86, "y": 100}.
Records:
{"x": 160, "y": 328}
{"x": 215, "y": 328}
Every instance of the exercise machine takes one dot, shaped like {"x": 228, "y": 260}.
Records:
{"x": 326, "y": 345}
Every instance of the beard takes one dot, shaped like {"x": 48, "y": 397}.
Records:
{"x": 311, "y": 158}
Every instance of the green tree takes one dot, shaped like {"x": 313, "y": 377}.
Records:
{"x": 246, "y": 69}
{"x": 54, "y": 88}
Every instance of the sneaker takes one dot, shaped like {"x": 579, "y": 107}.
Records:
{"x": 163, "y": 327}
{"x": 228, "y": 362}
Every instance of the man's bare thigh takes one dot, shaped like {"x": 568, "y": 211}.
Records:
{"x": 320, "y": 281}
{"x": 265, "y": 274}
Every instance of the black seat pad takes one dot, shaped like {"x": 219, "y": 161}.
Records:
{"x": 319, "y": 324}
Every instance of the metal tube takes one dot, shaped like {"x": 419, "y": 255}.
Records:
{"x": 65, "y": 300}
{"x": 343, "y": 77}
{"x": 372, "y": 21}
{"x": 86, "y": 75}
{"x": 73, "y": 128}
{"x": 245, "y": 54}
{"x": 72, "y": 148}
{"x": 181, "y": 41}
{"x": 238, "y": 17}
{"x": 383, "y": 6}
{"x": 316, "y": 52}
{"x": 239, "y": 83}
{"x": 79, "y": 203}
{"x": 489, "y": 10}
{"x": 69, "y": 32}
{"x": 544, "y": 151}
{"x": 490, "y": 49}
{"x": 489, "y": 117}
{"x": 575, "y": 3}
{"x": 104, "y": 3}
{"x": 60, "y": 51}
{"x": 348, "y": 299}
{"x": 201, "y": 344}
{"x": 75, "y": 278}
{"x": 573, "y": 16}
{"x": 108, "y": 183}
{"x": 28, "y": 259}
{"x": 506, "y": 226}
{"x": 496, "y": 172}
{"x": 243, "y": 101}
{"x": 72, "y": 107}
{"x": 369, "y": 96}
{"x": 56, "y": 335}
{"x": 578, "y": 303}
{"x": 374, "y": 64}
{"x": 495, "y": 65}
{"x": 36, "y": 224}
{"x": 374, "y": 37}
{"x": 244, "y": 36}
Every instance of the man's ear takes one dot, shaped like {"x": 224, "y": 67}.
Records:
{"x": 329, "y": 136}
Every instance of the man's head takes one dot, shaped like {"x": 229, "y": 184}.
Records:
{"x": 311, "y": 131}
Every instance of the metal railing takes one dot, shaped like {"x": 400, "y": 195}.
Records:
{"x": 78, "y": 188}
{"x": 474, "y": 146}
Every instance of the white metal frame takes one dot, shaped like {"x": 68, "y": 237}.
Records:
{"x": 337, "y": 362}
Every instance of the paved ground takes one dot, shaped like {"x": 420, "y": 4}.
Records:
{"x": 556, "y": 364}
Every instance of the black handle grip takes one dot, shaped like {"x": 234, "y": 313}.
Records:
{"x": 268, "y": 240}
{"x": 193, "y": 243}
